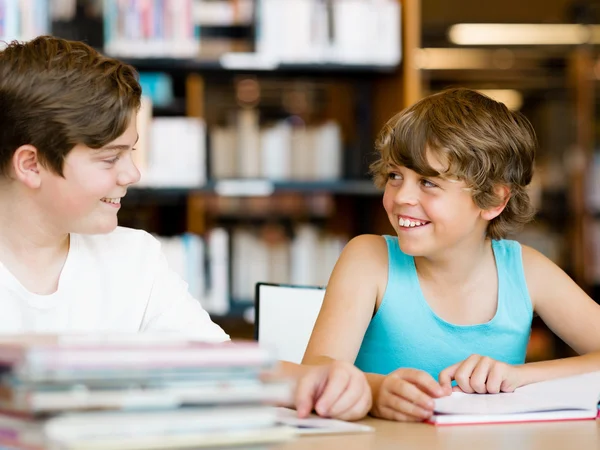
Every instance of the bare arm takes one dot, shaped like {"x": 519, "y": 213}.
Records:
{"x": 354, "y": 291}
{"x": 568, "y": 311}
{"x": 356, "y": 287}
{"x": 356, "y": 284}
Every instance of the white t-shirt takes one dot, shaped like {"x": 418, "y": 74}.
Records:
{"x": 111, "y": 283}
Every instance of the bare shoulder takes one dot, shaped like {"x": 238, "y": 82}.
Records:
{"x": 362, "y": 267}
{"x": 365, "y": 254}
{"x": 353, "y": 291}
{"x": 536, "y": 262}
{"x": 368, "y": 246}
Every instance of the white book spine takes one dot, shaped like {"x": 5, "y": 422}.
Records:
{"x": 249, "y": 143}
{"x": 223, "y": 153}
{"x": 328, "y": 152}
{"x": 276, "y": 152}
{"x": 218, "y": 243}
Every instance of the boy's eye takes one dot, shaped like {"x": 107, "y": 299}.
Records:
{"x": 112, "y": 161}
{"x": 393, "y": 176}
{"x": 428, "y": 183}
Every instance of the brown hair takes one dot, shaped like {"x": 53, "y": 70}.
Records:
{"x": 55, "y": 94}
{"x": 482, "y": 142}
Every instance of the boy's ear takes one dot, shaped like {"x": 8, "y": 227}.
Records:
{"x": 26, "y": 166}
{"x": 502, "y": 192}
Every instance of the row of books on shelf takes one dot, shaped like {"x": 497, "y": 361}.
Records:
{"x": 290, "y": 31}
{"x": 317, "y": 31}
{"x": 147, "y": 29}
{"x": 223, "y": 267}
{"x": 281, "y": 151}
{"x": 171, "y": 151}
{"x": 136, "y": 392}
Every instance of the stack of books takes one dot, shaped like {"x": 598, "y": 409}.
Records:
{"x": 75, "y": 392}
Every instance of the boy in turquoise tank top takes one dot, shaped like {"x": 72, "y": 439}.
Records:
{"x": 449, "y": 300}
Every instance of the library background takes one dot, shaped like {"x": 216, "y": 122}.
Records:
{"x": 259, "y": 119}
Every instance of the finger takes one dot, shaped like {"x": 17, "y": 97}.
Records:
{"x": 359, "y": 409}
{"x": 412, "y": 393}
{"x": 480, "y": 374}
{"x": 407, "y": 408}
{"x": 306, "y": 393}
{"x": 350, "y": 397}
{"x": 336, "y": 384}
{"x": 457, "y": 389}
{"x": 447, "y": 375}
{"x": 424, "y": 381}
{"x": 392, "y": 414}
{"x": 494, "y": 379}
{"x": 506, "y": 386}
{"x": 463, "y": 373}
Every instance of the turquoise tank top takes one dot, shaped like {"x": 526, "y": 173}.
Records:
{"x": 406, "y": 333}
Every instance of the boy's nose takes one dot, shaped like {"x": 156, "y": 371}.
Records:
{"x": 407, "y": 194}
{"x": 129, "y": 175}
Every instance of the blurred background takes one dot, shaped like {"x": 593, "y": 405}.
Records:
{"x": 259, "y": 118}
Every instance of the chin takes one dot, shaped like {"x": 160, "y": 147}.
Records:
{"x": 108, "y": 228}
{"x": 411, "y": 248}
{"x": 411, "y": 251}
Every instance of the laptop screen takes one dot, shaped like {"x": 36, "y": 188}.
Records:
{"x": 285, "y": 317}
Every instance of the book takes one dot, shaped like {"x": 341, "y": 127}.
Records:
{"x": 57, "y": 398}
{"x": 136, "y": 392}
{"x": 187, "y": 427}
{"x": 318, "y": 425}
{"x": 568, "y": 398}
{"x": 43, "y": 359}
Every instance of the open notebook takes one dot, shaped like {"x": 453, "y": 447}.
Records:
{"x": 571, "y": 398}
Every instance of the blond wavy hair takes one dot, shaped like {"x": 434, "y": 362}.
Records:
{"x": 481, "y": 141}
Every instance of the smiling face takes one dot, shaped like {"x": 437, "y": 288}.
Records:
{"x": 431, "y": 214}
{"x": 86, "y": 200}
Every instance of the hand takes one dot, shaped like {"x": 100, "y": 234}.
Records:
{"x": 336, "y": 390}
{"x": 482, "y": 375}
{"x": 406, "y": 395}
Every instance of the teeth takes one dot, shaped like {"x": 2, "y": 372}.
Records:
{"x": 406, "y": 223}
{"x": 115, "y": 201}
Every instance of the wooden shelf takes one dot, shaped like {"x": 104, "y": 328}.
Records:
{"x": 216, "y": 66}
{"x": 251, "y": 187}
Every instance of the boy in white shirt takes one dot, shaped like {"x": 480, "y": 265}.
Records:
{"x": 67, "y": 132}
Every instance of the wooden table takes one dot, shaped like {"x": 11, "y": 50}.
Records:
{"x": 574, "y": 435}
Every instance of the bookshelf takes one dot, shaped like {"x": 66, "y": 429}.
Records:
{"x": 277, "y": 69}
{"x": 264, "y": 187}
{"x": 357, "y": 97}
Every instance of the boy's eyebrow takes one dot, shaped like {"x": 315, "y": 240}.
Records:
{"x": 117, "y": 146}
{"x": 441, "y": 176}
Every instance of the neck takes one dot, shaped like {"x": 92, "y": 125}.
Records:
{"x": 457, "y": 265}
{"x": 26, "y": 235}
